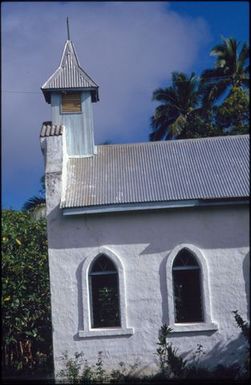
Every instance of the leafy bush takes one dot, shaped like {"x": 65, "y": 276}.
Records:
{"x": 172, "y": 367}
{"x": 245, "y": 329}
{"x": 89, "y": 375}
{"x": 72, "y": 368}
{"x": 243, "y": 325}
{"x": 26, "y": 320}
{"x": 171, "y": 364}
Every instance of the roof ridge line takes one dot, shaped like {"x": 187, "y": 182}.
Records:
{"x": 228, "y": 137}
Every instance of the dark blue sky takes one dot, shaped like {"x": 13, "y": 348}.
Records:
{"x": 228, "y": 18}
{"x": 128, "y": 48}
{"x": 224, "y": 18}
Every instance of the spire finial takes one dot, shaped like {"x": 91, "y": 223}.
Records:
{"x": 68, "y": 29}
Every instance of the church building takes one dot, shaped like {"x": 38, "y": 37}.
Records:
{"x": 141, "y": 235}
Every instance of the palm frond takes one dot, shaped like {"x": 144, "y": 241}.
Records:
{"x": 164, "y": 95}
{"x": 211, "y": 75}
{"x": 218, "y": 50}
{"x": 33, "y": 203}
{"x": 244, "y": 55}
{"x": 214, "y": 92}
{"x": 177, "y": 101}
{"x": 177, "y": 126}
{"x": 158, "y": 134}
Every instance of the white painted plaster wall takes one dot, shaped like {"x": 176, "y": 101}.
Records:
{"x": 143, "y": 241}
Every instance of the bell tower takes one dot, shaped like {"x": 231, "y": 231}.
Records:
{"x": 71, "y": 92}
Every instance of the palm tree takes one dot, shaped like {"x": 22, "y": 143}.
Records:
{"x": 231, "y": 70}
{"x": 178, "y": 102}
{"x": 36, "y": 204}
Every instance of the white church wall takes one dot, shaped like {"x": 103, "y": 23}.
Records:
{"x": 143, "y": 242}
{"x": 142, "y": 245}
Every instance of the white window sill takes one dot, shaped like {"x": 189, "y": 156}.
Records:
{"x": 111, "y": 332}
{"x": 193, "y": 327}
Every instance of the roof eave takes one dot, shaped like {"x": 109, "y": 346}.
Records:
{"x": 101, "y": 209}
{"x": 94, "y": 92}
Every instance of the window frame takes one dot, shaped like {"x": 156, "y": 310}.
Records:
{"x": 102, "y": 274}
{"x": 207, "y": 324}
{"x": 87, "y": 330}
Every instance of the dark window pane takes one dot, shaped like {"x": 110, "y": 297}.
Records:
{"x": 103, "y": 263}
{"x": 187, "y": 293}
{"x": 185, "y": 258}
{"x": 105, "y": 300}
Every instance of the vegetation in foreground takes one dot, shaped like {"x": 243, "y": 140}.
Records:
{"x": 26, "y": 321}
{"x": 172, "y": 366}
{"x": 26, "y": 318}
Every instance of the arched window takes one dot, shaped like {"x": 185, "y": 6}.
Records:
{"x": 187, "y": 289}
{"x": 104, "y": 292}
{"x": 103, "y": 296}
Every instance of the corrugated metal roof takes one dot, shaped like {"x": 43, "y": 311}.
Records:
{"x": 49, "y": 129}
{"x": 69, "y": 75}
{"x": 208, "y": 168}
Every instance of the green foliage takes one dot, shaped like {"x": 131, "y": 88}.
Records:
{"x": 100, "y": 372}
{"x": 72, "y": 368}
{"x": 232, "y": 116}
{"x": 198, "y": 354}
{"x": 243, "y": 325}
{"x": 245, "y": 329}
{"x": 217, "y": 104}
{"x": 77, "y": 370}
{"x": 26, "y": 322}
{"x": 231, "y": 70}
{"x": 95, "y": 374}
{"x": 119, "y": 375}
{"x": 171, "y": 364}
{"x": 174, "y": 366}
{"x": 179, "y": 101}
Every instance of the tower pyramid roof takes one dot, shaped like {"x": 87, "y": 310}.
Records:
{"x": 69, "y": 76}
